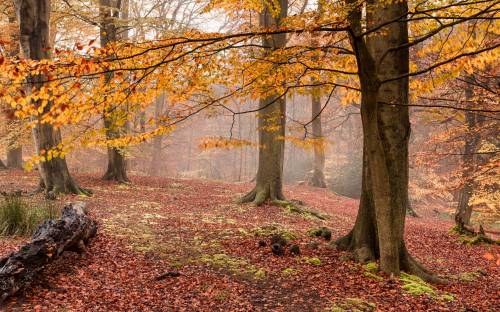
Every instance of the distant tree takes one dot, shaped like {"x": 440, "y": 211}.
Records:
{"x": 111, "y": 11}
{"x": 14, "y": 149}
{"x": 271, "y": 123}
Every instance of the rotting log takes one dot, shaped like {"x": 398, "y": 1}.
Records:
{"x": 70, "y": 232}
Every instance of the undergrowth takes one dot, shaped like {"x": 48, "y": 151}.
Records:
{"x": 21, "y": 217}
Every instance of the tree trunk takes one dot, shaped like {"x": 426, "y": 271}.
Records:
{"x": 472, "y": 140}
{"x": 271, "y": 122}
{"x": 2, "y": 165}
{"x": 34, "y": 28}
{"x": 157, "y": 140}
{"x": 117, "y": 165}
{"x": 15, "y": 158}
{"x": 379, "y": 228}
{"x": 318, "y": 177}
{"x": 15, "y": 151}
{"x": 71, "y": 232}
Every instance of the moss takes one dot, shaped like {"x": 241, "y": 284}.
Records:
{"x": 353, "y": 304}
{"x": 373, "y": 276}
{"x": 289, "y": 271}
{"x": 315, "y": 232}
{"x": 446, "y": 297}
{"x": 415, "y": 286}
{"x": 371, "y": 267}
{"x": 311, "y": 260}
{"x": 274, "y": 229}
{"x": 468, "y": 276}
{"x": 234, "y": 265}
{"x": 260, "y": 274}
{"x": 297, "y": 208}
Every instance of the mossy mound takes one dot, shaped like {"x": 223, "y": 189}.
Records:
{"x": 311, "y": 260}
{"x": 272, "y": 230}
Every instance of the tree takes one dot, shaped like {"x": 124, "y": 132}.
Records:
{"x": 14, "y": 150}
{"x": 383, "y": 64}
{"x": 318, "y": 177}
{"x": 156, "y": 148}
{"x": 34, "y": 33}
{"x": 271, "y": 123}
{"x": 115, "y": 126}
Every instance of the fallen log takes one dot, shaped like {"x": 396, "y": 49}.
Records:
{"x": 70, "y": 232}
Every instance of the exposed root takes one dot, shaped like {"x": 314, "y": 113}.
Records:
{"x": 294, "y": 206}
{"x": 120, "y": 179}
{"x": 364, "y": 254}
{"x": 412, "y": 266}
{"x": 259, "y": 195}
{"x": 470, "y": 236}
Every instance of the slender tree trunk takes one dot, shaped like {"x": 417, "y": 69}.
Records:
{"x": 157, "y": 140}
{"x": 34, "y": 29}
{"x": 318, "y": 177}
{"x": 379, "y": 228}
{"x": 271, "y": 122}
{"x": 15, "y": 158}
{"x": 117, "y": 164}
{"x": 472, "y": 140}
{"x": 15, "y": 151}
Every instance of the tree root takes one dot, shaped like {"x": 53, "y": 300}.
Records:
{"x": 364, "y": 254}
{"x": 259, "y": 195}
{"x": 474, "y": 237}
{"x": 298, "y": 207}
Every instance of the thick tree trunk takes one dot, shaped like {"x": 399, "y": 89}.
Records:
{"x": 71, "y": 232}
{"x": 472, "y": 140}
{"x": 117, "y": 164}
{"x": 318, "y": 177}
{"x": 271, "y": 122}
{"x": 34, "y": 28}
{"x": 379, "y": 228}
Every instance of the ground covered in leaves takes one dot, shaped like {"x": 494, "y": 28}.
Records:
{"x": 185, "y": 245}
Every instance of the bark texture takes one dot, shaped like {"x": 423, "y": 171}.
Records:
{"x": 34, "y": 20}
{"x": 271, "y": 122}
{"x": 71, "y": 232}
{"x": 117, "y": 164}
{"x": 318, "y": 176}
{"x": 379, "y": 228}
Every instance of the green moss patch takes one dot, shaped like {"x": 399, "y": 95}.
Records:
{"x": 237, "y": 266}
{"x": 311, "y": 260}
{"x": 415, "y": 286}
{"x": 353, "y": 304}
{"x": 274, "y": 229}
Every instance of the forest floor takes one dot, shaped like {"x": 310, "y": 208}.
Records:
{"x": 194, "y": 227}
